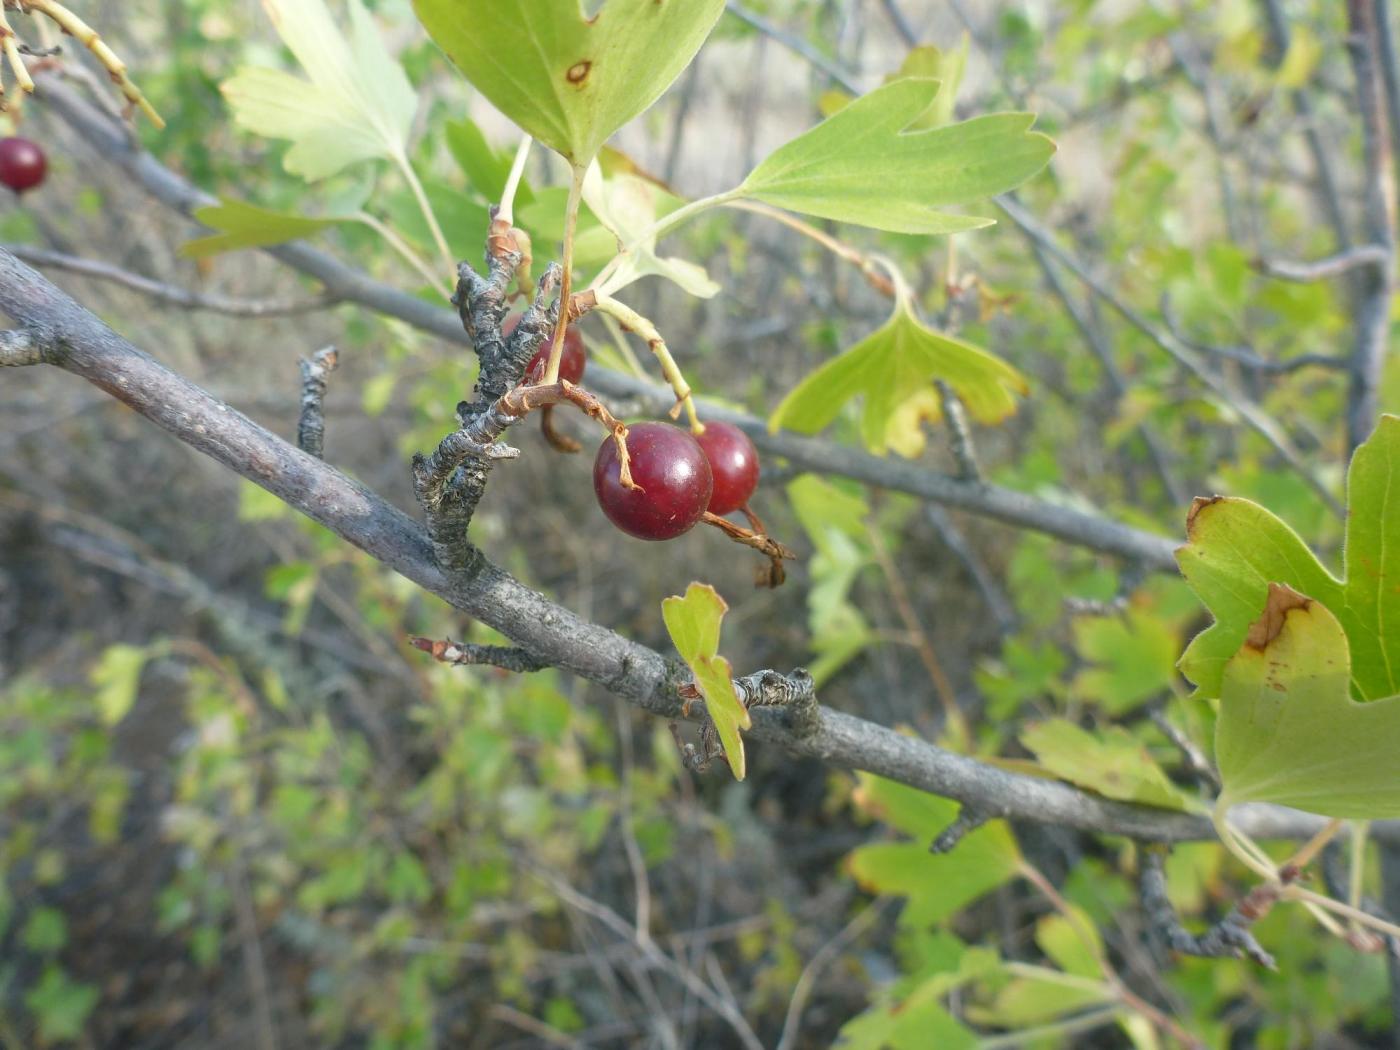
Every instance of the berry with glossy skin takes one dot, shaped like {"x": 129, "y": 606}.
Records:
{"x": 572, "y": 360}
{"x": 734, "y": 464}
{"x": 674, "y": 476}
{"x": 22, "y": 164}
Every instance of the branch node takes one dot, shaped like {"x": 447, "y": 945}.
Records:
{"x": 311, "y": 424}
{"x": 464, "y": 654}
{"x": 1230, "y": 937}
{"x": 959, "y": 433}
{"x": 968, "y": 820}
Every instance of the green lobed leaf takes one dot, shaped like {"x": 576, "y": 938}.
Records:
{"x": 834, "y": 520}
{"x": 1110, "y": 762}
{"x": 864, "y": 164}
{"x": 693, "y": 622}
{"x": 936, "y": 885}
{"x": 357, "y": 106}
{"x": 1235, "y": 549}
{"x": 1288, "y": 729}
{"x": 243, "y": 225}
{"x": 568, "y": 80}
{"x": 892, "y": 369}
{"x": 1132, "y": 658}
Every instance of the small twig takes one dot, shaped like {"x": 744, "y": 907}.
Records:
{"x": 1230, "y": 937}
{"x": 959, "y": 433}
{"x": 1259, "y": 420}
{"x": 987, "y": 586}
{"x": 1371, "y": 308}
{"x": 533, "y": 1025}
{"x": 795, "y": 44}
{"x": 901, "y": 22}
{"x": 802, "y": 990}
{"x": 954, "y": 719}
{"x": 311, "y": 423}
{"x": 465, "y": 654}
{"x": 20, "y": 347}
{"x": 1195, "y": 758}
{"x": 1244, "y": 355}
{"x": 635, "y": 861}
{"x": 686, "y": 976}
{"x": 967, "y": 821}
{"x": 169, "y": 293}
{"x": 1344, "y": 262}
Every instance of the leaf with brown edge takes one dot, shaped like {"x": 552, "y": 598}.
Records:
{"x": 1289, "y": 731}
{"x": 1236, "y": 548}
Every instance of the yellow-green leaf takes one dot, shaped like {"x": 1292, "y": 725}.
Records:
{"x": 357, "y": 105}
{"x": 867, "y": 164}
{"x": 693, "y": 622}
{"x": 1110, "y": 762}
{"x": 242, "y": 225}
{"x": 116, "y": 678}
{"x": 893, "y": 367}
{"x": 567, "y": 79}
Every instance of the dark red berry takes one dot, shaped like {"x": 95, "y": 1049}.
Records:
{"x": 673, "y": 474}
{"x": 572, "y": 359}
{"x": 22, "y": 164}
{"x": 734, "y": 464}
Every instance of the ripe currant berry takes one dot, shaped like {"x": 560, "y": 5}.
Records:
{"x": 734, "y": 464}
{"x": 22, "y": 164}
{"x": 572, "y": 359}
{"x": 674, "y": 476}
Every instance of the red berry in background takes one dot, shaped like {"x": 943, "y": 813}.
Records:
{"x": 674, "y": 476}
{"x": 22, "y": 164}
{"x": 734, "y": 464}
{"x": 572, "y": 359}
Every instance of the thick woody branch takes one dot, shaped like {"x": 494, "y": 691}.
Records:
{"x": 1080, "y": 529}
{"x": 91, "y": 350}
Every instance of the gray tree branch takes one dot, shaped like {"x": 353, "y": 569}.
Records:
{"x": 86, "y": 347}
{"x": 1097, "y": 532}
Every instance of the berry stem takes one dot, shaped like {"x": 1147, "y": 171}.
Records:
{"x": 774, "y": 574}
{"x": 517, "y": 171}
{"x": 556, "y": 349}
{"x": 87, "y": 36}
{"x": 10, "y": 41}
{"x": 633, "y": 321}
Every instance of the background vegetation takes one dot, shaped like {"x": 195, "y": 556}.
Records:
{"x": 238, "y": 809}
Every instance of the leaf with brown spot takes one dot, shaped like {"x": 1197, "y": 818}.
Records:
{"x": 1235, "y": 549}
{"x": 1288, "y": 730}
{"x": 568, "y": 80}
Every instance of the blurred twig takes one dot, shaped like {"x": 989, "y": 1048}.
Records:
{"x": 170, "y": 294}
